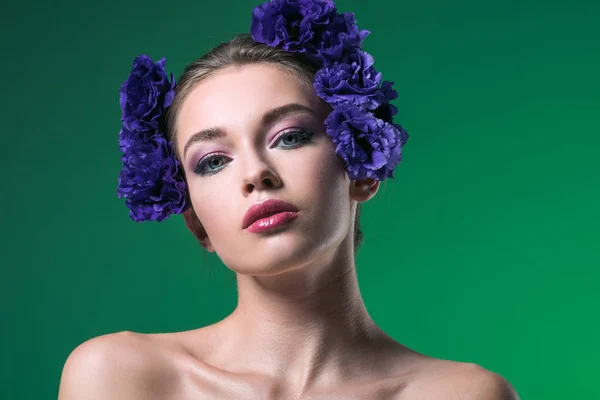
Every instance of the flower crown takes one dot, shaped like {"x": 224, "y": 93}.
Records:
{"x": 360, "y": 125}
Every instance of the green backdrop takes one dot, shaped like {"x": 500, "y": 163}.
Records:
{"x": 485, "y": 248}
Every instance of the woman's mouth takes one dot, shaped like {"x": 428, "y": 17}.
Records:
{"x": 268, "y": 214}
{"x": 272, "y": 221}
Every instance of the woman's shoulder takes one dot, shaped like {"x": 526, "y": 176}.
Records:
{"x": 126, "y": 347}
{"x": 148, "y": 366}
{"x": 121, "y": 365}
{"x": 434, "y": 378}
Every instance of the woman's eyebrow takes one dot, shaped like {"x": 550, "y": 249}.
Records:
{"x": 269, "y": 118}
{"x": 278, "y": 113}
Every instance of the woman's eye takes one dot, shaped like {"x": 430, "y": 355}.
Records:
{"x": 295, "y": 138}
{"x": 292, "y": 139}
{"x": 209, "y": 165}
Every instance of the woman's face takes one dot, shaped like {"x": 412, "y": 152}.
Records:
{"x": 252, "y": 154}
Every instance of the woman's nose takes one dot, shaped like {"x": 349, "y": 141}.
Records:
{"x": 258, "y": 175}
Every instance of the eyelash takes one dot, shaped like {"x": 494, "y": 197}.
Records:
{"x": 303, "y": 135}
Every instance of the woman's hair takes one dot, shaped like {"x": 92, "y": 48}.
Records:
{"x": 241, "y": 50}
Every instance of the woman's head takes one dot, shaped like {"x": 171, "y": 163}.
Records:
{"x": 258, "y": 105}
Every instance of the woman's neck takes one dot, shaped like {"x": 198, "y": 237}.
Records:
{"x": 306, "y": 327}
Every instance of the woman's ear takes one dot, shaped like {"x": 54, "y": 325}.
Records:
{"x": 195, "y": 226}
{"x": 363, "y": 190}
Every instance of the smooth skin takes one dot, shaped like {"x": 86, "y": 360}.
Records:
{"x": 301, "y": 329}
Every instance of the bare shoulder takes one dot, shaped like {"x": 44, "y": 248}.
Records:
{"x": 443, "y": 379}
{"x": 123, "y": 365}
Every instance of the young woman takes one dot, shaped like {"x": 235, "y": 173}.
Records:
{"x": 268, "y": 151}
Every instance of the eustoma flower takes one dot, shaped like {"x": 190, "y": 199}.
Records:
{"x": 369, "y": 146}
{"x": 151, "y": 179}
{"x": 290, "y": 24}
{"x": 353, "y": 80}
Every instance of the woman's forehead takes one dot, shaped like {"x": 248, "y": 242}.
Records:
{"x": 241, "y": 94}
{"x": 248, "y": 85}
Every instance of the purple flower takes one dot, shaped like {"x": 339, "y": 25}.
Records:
{"x": 353, "y": 80}
{"x": 369, "y": 146}
{"x": 403, "y": 134}
{"x": 150, "y": 179}
{"x": 386, "y": 111}
{"x": 290, "y": 24}
{"x": 145, "y": 94}
{"x": 340, "y": 37}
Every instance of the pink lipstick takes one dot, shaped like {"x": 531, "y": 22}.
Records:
{"x": 271, "y": 222}
{"x": 267, "y": 215}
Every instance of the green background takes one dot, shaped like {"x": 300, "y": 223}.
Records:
{"x": 485, "y": 248}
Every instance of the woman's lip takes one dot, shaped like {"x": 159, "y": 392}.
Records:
{"x": 266, "y": 209}
{"x": 272, "y": 221}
